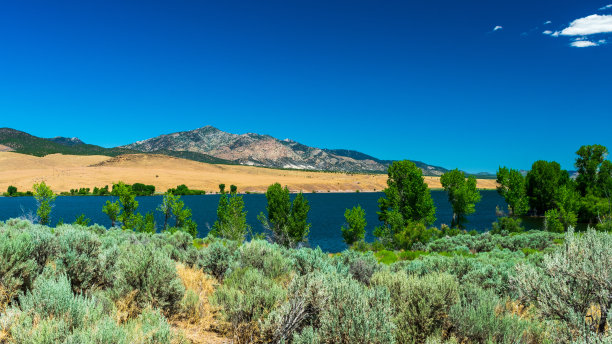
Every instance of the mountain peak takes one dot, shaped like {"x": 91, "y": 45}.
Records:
{"x": 67, "y": 141}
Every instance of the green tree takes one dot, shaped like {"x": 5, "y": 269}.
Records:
{"x": 594, "y": 183}
{"x": 166, "y": 207}
{"x": 511, "y": 186}
{"x": 588, "y": 163}
{"x": 147, "y": 225}
{"x": 298, "y": 220}
{"x": 542, "y": 183}
{"x": 354, "y": 229}
{"x": 288, "y": 222}
{"x": 112, "y": 210}
{"x": 182, "y": 216}
{"x": 407, "y": 199}
{"x": 44, "y": 199}
{"x": 231, "y": 217}
{"x": 552, "y": 221}
{"x": 11, "y": 190}
{"x": 462, "y": 195}
{"x": 129, "y": 205}
{"x": 82, "y": 220}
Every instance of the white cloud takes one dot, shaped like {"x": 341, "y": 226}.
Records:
{"x": 605, "y": 7}
{"x": 583, "y": 44}
{"x": 555, "y": 34}
{"x": 602, "y": 41}
{"x": 589, "y": 25}
{"x": 497, "y": 28}
{"x": 547, "y": 22}
{"x": 547, "y": 32}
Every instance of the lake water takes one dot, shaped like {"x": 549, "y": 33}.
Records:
{"x": 326, "y": 212}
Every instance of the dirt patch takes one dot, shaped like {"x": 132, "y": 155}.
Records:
{"x": 4, "y": 148}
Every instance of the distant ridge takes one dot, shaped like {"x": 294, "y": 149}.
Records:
{"x": 211, "y": 145}
{"x": 67, "y": 141}
{"x": 22, "y": 142}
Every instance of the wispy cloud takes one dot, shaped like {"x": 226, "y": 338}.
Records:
{"x": 583, "y": 44}
{"x": 547, "y": 22}
{"x": 547, "y": 32}
{"x": 606, "y": 7}
{"x": 497, "y": 28}
{"x": 589, "y": 25}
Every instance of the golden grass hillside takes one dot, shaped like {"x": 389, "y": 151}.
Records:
{"x": 65, "y": 172}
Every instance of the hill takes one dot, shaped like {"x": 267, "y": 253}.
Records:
{"x": 211, "y": 145}
{"x": 65, "y": 172}
{"x": 22, "y": 142}
{"x": 264, "y": 150}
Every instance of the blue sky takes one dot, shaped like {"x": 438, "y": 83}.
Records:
{"x": 472, "y": 85}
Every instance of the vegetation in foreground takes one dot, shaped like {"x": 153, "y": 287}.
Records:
{"x": 78, "y": 284}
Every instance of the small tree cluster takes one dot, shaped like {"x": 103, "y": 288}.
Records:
{"x": 287, "y": 221}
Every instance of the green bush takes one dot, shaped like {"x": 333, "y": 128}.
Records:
{"x": 570, "y": 282}
{"x": 80, "y": 255}
{"x": 477, "y": 318}
{"x": 489, "y": 270}
{"x": 217, "y": 258}
{"x": 361, "y": 266}
{"x": 420, "y": 304}
{"x": 18, "y": 268}
{"x": 152, "y": 274}
{"x": 506, "y": 225}
{"x": 265, "y": 257}
{"x": 386, "y": 257}
{"x": 552, "y": 221}
{"x": 245, "y": 298}
{"x": 305, "y": 261}
{"x": 51, "y": 313}
{"x": 363, "y": 316}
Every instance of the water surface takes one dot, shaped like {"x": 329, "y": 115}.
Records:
{"x": 326, "y": 211}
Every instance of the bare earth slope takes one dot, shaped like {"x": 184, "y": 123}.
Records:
{"x": 65, "y": 172}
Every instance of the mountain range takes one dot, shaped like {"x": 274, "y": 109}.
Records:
{"x": 211, "y": 145}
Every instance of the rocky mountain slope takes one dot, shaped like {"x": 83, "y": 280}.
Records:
{"x": 211, "y": 145}
{"x": 67, "y": 141}
{"x": 264, "y": 150}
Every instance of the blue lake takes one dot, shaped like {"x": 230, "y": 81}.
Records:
{"x": 326, "y": 212}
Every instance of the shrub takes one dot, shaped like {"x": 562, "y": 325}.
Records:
{"x": 363, "y": 316}
{"x": 489, "y": 270}
{"x": 80, "y": 256}
{"x": 246, "y": 297}
{"x": 506, "y": 225}
{"x": 478, "y": 318}
{"x": 306, "y": 260}
{"x": 386, "y": 257}
{"x": 552, "y": 221}
{"x": 420, "y": 304}
{"x": 18, "y": 268}
{"x": 152, "y": 274}
{"x": 50, "y": 313}
{"x": 569, "y": 282}
{"x": 265, "y": 257}
{"x": 217, "y": 258}
{"x": 361, "y": 266}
